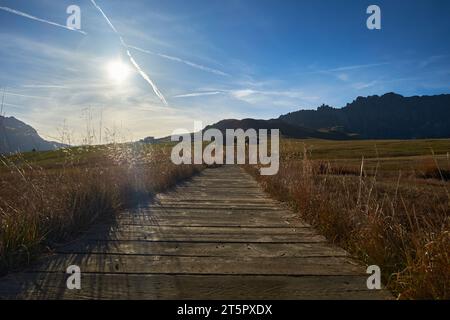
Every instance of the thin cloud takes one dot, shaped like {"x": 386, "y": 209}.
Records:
{"x": 186, "y": 62}
{"x": 44, "y": 86}
{"x": 365, "y": 85}
{"x": 25, "y": 95}
{"x": 343, "y": 77}
{"x": 29, "y": 16}
{"x": 433, "y": 59}
{"x": 358, "y": 66}
{"x": 14, "y": 105}
{"x": 198, "y": 94}
{"x": 247, "y": 94}
{"x": 349, "y": 68}
{"x": 132, "y": 60}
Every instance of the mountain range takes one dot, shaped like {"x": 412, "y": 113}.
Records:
{"x": 17, "y": 136}
{"x": 390, "y": 116}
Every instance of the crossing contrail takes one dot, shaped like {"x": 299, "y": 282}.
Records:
{"x": 104, "y": 16}
{"x": 145, "y": 76}
{"x": 132, "y": 60}
{"x": 29, "y": 16}
{"x": 189, "y": 63}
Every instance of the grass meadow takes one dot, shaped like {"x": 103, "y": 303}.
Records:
{"x": 48, "y": 198}
{"x": 386, "y": 202}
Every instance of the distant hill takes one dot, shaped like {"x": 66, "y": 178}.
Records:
{"x": 286, "y": 129}
{"x": 390, "y": 116}
{"x": 17, "y": 136}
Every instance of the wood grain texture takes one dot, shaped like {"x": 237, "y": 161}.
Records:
{"x": 216, "y": 236}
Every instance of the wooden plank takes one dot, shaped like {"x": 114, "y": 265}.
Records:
{"x": 303, "y": 235}
{"x": 225, "y": 198}
{"x": 213, "y": 206}
{"x": 218, "y": 221}
{"x": 154, "y": 210}
{"x": 207, "y": 249}
{"x": 142, "y": 236}
{"x": 188, "y": 230}
{"x": 154, "y": 207}
{"x": 131, "y": 286}
{"x": 187, "y": 218}
{"x": 226, "y": 195}
{"x": 201, "y": 214}
{"x": 213, "y": 187}
{"x": 148, "y": 264}
{"x": 221, "y": 182}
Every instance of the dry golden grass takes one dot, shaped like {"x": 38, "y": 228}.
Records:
{"x": 395, "y": 220}
{"x": 49, "y": 198}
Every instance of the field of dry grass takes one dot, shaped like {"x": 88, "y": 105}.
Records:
{"x": 47, "y": 198}
{"x": 387, "y": 202}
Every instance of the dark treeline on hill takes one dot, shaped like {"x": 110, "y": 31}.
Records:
{"x": 390, "y": 116}
{"x": 17, "y": 136}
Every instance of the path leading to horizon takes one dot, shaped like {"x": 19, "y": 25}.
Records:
{"x": 216, "y": 236}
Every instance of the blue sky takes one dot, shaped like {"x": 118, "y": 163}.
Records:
{"x": 212, "y": 60}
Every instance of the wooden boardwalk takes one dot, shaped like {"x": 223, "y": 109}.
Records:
{"x": 217, "y": 236}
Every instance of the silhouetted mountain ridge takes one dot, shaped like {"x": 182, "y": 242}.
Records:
{"x": 17, "y": 136}
{"x": 390, "y": 116}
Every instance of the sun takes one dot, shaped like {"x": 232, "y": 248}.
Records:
{"x": 118, "y": 71}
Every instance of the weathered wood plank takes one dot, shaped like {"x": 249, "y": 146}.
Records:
{"x": 213, "y": 222}
{"x": 214, "y": 205}
{"x": 154, "y": 210}
{"x": 179, "y": 237}
{"x": 205, "y": 234}
{"x": 131, "y": 286}
{"x": 220, "y": 199}
{"x": 208, "y": 249}
{"x": 211, "y": 230}
{"x": 230, "y": 218}
{"x": 148, "y": 264}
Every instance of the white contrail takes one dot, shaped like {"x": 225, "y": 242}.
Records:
{"x": 358, "y": 66}
{"x": 348, "y": 68}
{"x": 26, "y": 15}
{"x": 104, "y": 16}
{"x": 133, "y": 62}
{"x": 199, "y": 94}
{"x": 25, "y": 95}
{"x": 189, "y": 63}
{"x": 44, "y": 86}
{"x": 142, "y": 73}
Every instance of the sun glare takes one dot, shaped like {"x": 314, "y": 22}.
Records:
{"x": 118, "y": 71}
